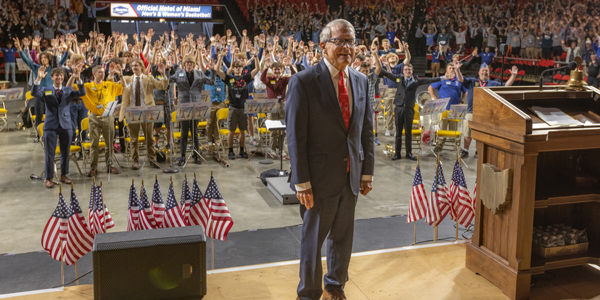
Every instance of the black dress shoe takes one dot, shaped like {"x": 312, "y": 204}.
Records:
{"x": 411, "y": 156}
{"x": 197, "y": 160}
{"x": 396, "y": 157}
{"x": 181, "y": 162}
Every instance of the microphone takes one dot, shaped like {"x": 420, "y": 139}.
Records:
{"x": 572, "y": 66}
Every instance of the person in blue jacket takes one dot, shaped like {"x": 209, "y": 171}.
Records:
{"x": 57, "y": 100}
{"x": 45, "y": 59}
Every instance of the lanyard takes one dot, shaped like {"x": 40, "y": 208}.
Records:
{"x": 482, "y": 84}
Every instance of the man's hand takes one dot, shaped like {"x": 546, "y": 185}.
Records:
{"x": 514, "y": 71}
{"x": 306, "y": 198}
{"x": 365, "y": 187}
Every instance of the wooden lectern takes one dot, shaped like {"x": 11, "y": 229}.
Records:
{"x": 555, "y": 179}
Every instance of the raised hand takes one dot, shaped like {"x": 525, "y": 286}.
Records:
{"x": 42, "y": 73}
{"x": 514, "y": 71}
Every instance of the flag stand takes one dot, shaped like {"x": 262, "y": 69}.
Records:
{"x": 62, "y": 251}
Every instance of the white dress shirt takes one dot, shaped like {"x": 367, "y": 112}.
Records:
{"x": 335, "y": 78}
{"x": 133, "y": 83}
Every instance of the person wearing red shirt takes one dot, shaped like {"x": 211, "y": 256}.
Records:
{"x": 276, "y": 87}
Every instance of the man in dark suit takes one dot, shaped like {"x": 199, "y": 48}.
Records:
{"x": 329, "y": 124}
{"x": 57, "y": 100}
{"x": 405, "y": 99}
{"x": 190, "y": 84}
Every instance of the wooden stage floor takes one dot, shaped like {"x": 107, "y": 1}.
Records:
{"x": 423, "y": 272}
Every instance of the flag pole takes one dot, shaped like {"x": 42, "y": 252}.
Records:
{"x": 62, "y": 251}
{"x": 212, "y": 239}
{"x": 76, "y": 268}
{"x": 103, "y": 211}
{"x": 415, "y": 234}
{"x": 437, "y": 168}
{"x": 456, "y": 212}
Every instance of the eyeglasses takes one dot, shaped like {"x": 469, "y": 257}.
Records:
{"x": 342, "y": 42}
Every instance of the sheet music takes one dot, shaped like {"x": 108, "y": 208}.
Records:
{"x": 554, "y": 116}
{"x": 110, "y": 109}
{"x": 458, "y": 111}
{"x": 274, "y": 124}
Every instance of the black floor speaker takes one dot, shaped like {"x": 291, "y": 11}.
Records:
{"x": 168, "y": 263}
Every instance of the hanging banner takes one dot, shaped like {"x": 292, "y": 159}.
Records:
{"x": 165, "y": 11}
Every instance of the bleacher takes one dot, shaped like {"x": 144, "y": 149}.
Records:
{"x": 321, "y": 3}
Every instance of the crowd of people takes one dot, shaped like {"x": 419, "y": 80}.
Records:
{"x": 166, "y": 69}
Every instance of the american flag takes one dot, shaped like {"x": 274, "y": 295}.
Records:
{"x": 186, "y": 200}
{"x": 173, "y": 216}
{"x": 91, "y": 209}
{"x": 438, "y": 206}
{"x": 101, "y": 222}
{"x": 79, "y": 238}
{"x": 418, "y": 199}
{"x": 220, "y": 221}
{"x": 199, "y": 211}
{"x": 462, "y": 196}
{"x": 454, "y": 190}
{"x": 133, "y": 209}
{"x": 158, "y": 206}
{"x": 55, "y": 232}
{"x": 146, "y": 216}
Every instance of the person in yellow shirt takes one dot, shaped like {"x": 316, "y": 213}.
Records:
{"x": 98, "y": 94}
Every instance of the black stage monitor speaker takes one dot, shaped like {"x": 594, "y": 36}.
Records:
{"x": 168, "y": 263}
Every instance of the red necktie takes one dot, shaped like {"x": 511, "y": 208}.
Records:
{"x": 344, "y": 105}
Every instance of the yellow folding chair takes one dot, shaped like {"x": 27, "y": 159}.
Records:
{"x": 72, "y": 151}
{"x": 452, "y": 136}
{"x": 3, "y": 113}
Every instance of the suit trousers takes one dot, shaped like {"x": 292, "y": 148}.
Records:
{"x": 388, "y": 102}
{"x": 39, "y": 111}
{"x": 134, "y": 132}
{"x": 333, "y": 216}
{"x": 404, "y": 117}
{"x": 78, "y": 113}
{"x": 64, "y": 142}
{"x": 188, "y": 126}
{"x": 279, "y": 115}
{"x": 106, "y": 126}
{"x": 592, "y": 81}
{"x": 212, "y": 125}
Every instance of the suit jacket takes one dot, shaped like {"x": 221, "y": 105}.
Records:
{"x": 318, "y": 142}
{"x": 406, "y": 96}
{"x": 58, "y": 112}
{"x": 149, "y": 85}
{"x": 187, "y": 93}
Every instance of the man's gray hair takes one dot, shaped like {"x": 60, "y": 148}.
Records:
{"x": 326, "y": 31}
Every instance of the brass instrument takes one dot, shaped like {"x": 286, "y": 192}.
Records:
{"x": 389, "y": 150}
